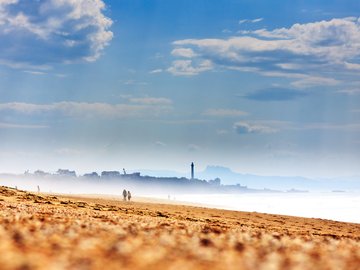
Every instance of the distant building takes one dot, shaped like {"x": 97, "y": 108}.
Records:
{"x": 136, "y": 174}
{"x": 66, "y": 172}
{"x": 40, "y": 173}
{"x": 91, "y": 175}
{"x": 215, "y": 182}
{"x": 110, "y": 174}
{"x": 192, "y": 170}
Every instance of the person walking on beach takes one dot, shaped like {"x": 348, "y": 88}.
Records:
{"x": 129, "y": 195}
{"x": 124, "y": 194}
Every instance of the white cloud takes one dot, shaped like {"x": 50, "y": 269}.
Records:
{"x": 226, "y": 31}
{"x": 249, "y": 128}
{"x": 133, "y": 82}
{"x": 224, "y": 113}
{"x": 21, "y": 126}
{"x": 352, "y": 66}
{"x": 23, "y": 65}
{"x": 186, "y": 67}
{"x": 155, "y": 71}
{"x": 350, "y": 91}
{"x": 84, "y": 109}
{"x": 251, "y": 21}
{"x": 310, "y": 81}
{"x": 182, "y": 52}
{"x": 60, "y": 75}
{"x": 151, "y": 101}
{"x": 257, "y": 20}
{"x": 36, "y": 33}
{"x": 354, "y": 127}
{"x": 316, "y": 51}
{"x": 34, "y": 72}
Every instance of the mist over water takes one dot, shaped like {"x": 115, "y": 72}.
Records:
{"x": 325, "y": 205}
{"x": 342, "y": 206}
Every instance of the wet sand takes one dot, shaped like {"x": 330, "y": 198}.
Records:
{"x": 42, "y": 231}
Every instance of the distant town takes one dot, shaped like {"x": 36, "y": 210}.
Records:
{"x": 214, "y": 179}
{"x": 135, "y": 179}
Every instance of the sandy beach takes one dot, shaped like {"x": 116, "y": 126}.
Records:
{"x": 42, "y": 231}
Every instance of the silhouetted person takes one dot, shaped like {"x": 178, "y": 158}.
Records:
{"x": 124, "y": 194}
{"x": 129, "y": 195}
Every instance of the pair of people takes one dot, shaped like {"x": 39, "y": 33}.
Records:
{"x": 126, "y": 194}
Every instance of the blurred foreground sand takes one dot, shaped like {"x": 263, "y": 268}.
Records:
{"x": 58, "y": 232}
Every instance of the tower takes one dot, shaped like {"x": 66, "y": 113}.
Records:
{"x": 192, "y": 170}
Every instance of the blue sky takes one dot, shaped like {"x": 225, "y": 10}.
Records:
{"x": 265, "y": 87}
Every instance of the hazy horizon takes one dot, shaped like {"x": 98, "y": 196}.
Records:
{"x": 103, "y": 85}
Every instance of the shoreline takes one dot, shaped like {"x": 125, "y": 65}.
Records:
{"x": 155, "y": 200}
{"x": 145, "y": 200}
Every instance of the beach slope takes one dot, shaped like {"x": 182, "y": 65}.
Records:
{"x": 42, "y": 231}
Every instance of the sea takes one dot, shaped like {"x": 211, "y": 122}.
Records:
{"x": 339, "y": 206}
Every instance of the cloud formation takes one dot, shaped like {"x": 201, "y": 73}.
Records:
{"x": 224, "y": 113}
{"x": 251, "y": 21}
{"x": 306, "y": 53}
{"x": 38, "y": 33}
{"x": 84, "y": 109}
{"x": 151, "y": 101}
{"x": 182, "y": 52}
{"x": 20, "y": 126}
{"x": 250, "y": 128}
{"x": 188, "y": 68}
{"x": 275, "y": 94}
{"x": 350, "y": 91}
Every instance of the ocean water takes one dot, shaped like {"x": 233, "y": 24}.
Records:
{"x": 327, "y": 205}
{"x": 343, "y": 206}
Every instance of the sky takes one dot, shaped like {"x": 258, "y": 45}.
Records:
{"x": 262, "y": 87}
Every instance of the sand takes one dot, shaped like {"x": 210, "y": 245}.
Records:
{"x": 41, "y": 231}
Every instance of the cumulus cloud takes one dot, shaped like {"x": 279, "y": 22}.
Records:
{"x": 306, "y": 52}
{"x": 250, "y": 128}
{"x": 182, "y": 52}
{"x": 84, "y": 109}
{"x": 37, "y": 33}
{"x": 224, "y": 113}
{"x": 275, "y": 94}
{"x": 187, "y": 67}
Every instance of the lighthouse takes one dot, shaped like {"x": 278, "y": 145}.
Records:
{"x": 192, "y": 170}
